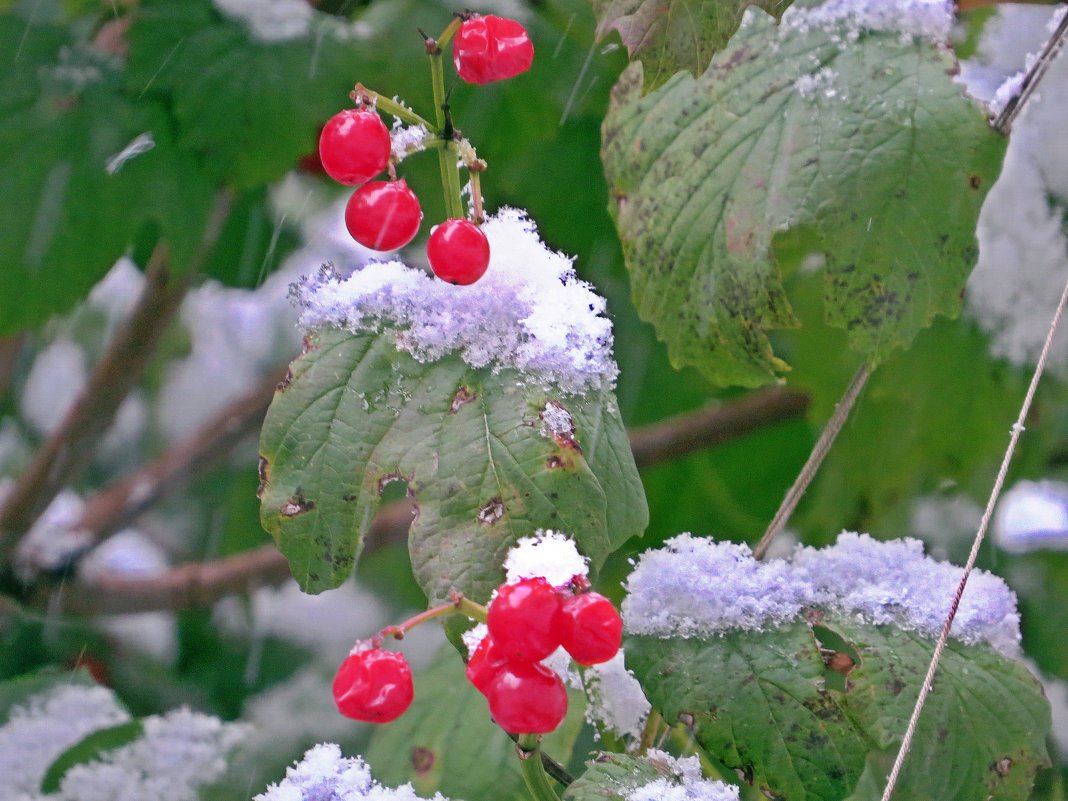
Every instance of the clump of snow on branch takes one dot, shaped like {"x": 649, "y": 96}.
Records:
{"x": 931, "y": 20}
{"x": 615, "y": 701}
{"x": 53, "y": 384}
{"x": 529, "y": 312}
{"x": 682, "y": 781}
{"x": 407, "y": 139}
{"x": 325, "y": 775}
{"x": 698, "y": 587}
{"x": 1023, "y": 251}
{"x": 1033, "y": 515}
{"x": 694, "y": 586}
{"x": 55, "y": 539}
{"x": 549, "y": 554}
{"x": 177, "y": 754}
{"x": 38, "y": 730}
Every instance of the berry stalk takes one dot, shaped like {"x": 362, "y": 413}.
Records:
{"x": 457, "y": 604}
{"x": 447, "y": 156}
{"x": 373, "y": 99}
{"x": 528, "y": 747}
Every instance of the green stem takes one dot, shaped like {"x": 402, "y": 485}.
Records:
{"x": 395, "y": 109}
{"x": 529, "y": 750}
{"x": 450, "y": 178}
{"x": 447, "y": 34}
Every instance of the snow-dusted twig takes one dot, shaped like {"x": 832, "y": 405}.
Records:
{"x": 69, "y": 450}
{"x": 1003, "y": 122}
{"x": 203, "y": 583}
{"x": 815, "y": 459}
{"x": 119, "y": 505}
{"x": 1014, "y": 437}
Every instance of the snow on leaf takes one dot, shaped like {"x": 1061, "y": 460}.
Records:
{"x": 854, "y": 135}
{"x": 655, "y": 776}
{"x": 549, "y": 554}
{"x": 672, "y": 35}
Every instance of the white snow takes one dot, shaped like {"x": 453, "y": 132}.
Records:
{"x": 682, "y": 782}
{"x": 407, "y": 139}
{"x": 529, "y": 312}
{"x": 177, "y": 753}
{"x": 55, "y": 538}
{"x": 1032, "y": 515}
{"x": 697, "y": 587}
{"x": 1023, "y": 251}
{"x": 47, "y": 724}
{"x": 549, "y": 554}
{"x": 325, "y": 775}
{"x": 270, "y": 20}
{"x": 53, "y": 384}
{"x": 615, "y": 699}
{"x": 912, "y": 19}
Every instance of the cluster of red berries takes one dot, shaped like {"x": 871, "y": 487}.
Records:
{"x": 528, "y": 621}
{"x": 355, "y": 146}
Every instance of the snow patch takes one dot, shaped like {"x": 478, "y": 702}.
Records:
{"x": 930, "y": 20}
{"x": 529, "y": 312}
{"x": 682, "y": 782}
{"x": 55, "y": 381}
{"x": 549, "y": 554}
{"x": 1031, "y": 516}
{"x": 325, "y": 774}
{"x": 696, "y": 587}
{"x": 270, "y": 20}
{"x": 615, "y": 699}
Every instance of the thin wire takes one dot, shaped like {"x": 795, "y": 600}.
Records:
{"x": 1017, "y": 430}
{"x": 1034, "y": 76}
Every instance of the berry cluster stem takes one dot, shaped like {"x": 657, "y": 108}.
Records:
{"x": 390, "y": 106}
{"x": 528, "y": 747}
{"x": 447, "y": 156}
{"x": 457, "y": 604}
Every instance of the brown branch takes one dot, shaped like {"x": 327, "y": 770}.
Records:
{"x": 10, "y": 347}
{"x": 69, "y": 450}
{"x": 713, "y": 425}
{"x": 120, "y": 504}
{"x": 203, "y": 583}
{"x": 1035, "y": 73}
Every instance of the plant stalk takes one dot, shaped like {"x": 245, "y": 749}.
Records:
{"x": 447, "y": 158}
{"x": 528, "y": 747}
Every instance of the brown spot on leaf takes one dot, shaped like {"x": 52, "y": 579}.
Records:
{"x": 838, "y": 661}
{"x": 686, "y": 719}
{"x": 463, "y": 396}
{"x": 767, "y": 792}
{"x": 263, "y": 469}
{"x": 491, "y": 512}
{"x": 388, "y": 478}
{"x": 422, "y": 760}
{"x": 974, "y": 181}
{"x": 895, "y": 687}
{"x": 558, "y": 425}
{"x": 306, "y": 345}
{"x": 556, "y": 462}
{"x": 1002, "y": 766}
{"x": 296, "y": 505}
{"x": 283, "y": 385}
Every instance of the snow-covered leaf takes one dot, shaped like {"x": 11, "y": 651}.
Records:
{"x": 88, "y": 749}
{"x": 844, "y": 127}
{"x": 672, "y": 35}
{"x": 471, "y": 444}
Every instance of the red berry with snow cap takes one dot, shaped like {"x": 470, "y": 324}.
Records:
{"x": 489, "y": 48}
{"x": 373, "y": 685}
{"x": 524, "y": 620}
{"x": 591, "y": 628}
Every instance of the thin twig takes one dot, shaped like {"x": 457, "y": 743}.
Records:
{"x": 552, "y": 767}
{"x": 995, "y": 492}
{"x": 815, "y": 459}
{"x": 201, "y": 584}
{"x": 123, "y": 502}
{"x": 676, "y": 436}
{"x": 70, "y": 448}
{"x": 1035, "y": 73}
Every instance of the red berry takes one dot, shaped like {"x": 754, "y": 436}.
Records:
{"x": 354, "y": 146}
{"x": 383, "y": 215}
{"x": 373, "y": 685}
{"x": 458, "y": 252}
{"x": 591, "y": 628}
{"x": 527, "y": 698}
{"x": 490, "y": 49}
{"x": 484, "y": 665}
{"x": 524, "y": 620}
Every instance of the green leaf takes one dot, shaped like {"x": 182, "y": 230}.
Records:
{"x": 358, "y": 414}
{"x": 868, "y": 147}
{"x": 613, "y": 777}
{"x": 672, "y": 35}
{"x": 64, "y": 218}
{"x": 447, "y": 743}
{"x": 757, "y": 703}
{"x": 88, "y": 749}
{"x": 250, "y": 108}
{"x": 766, "y": 704}
{"x": 982, "y": 732}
